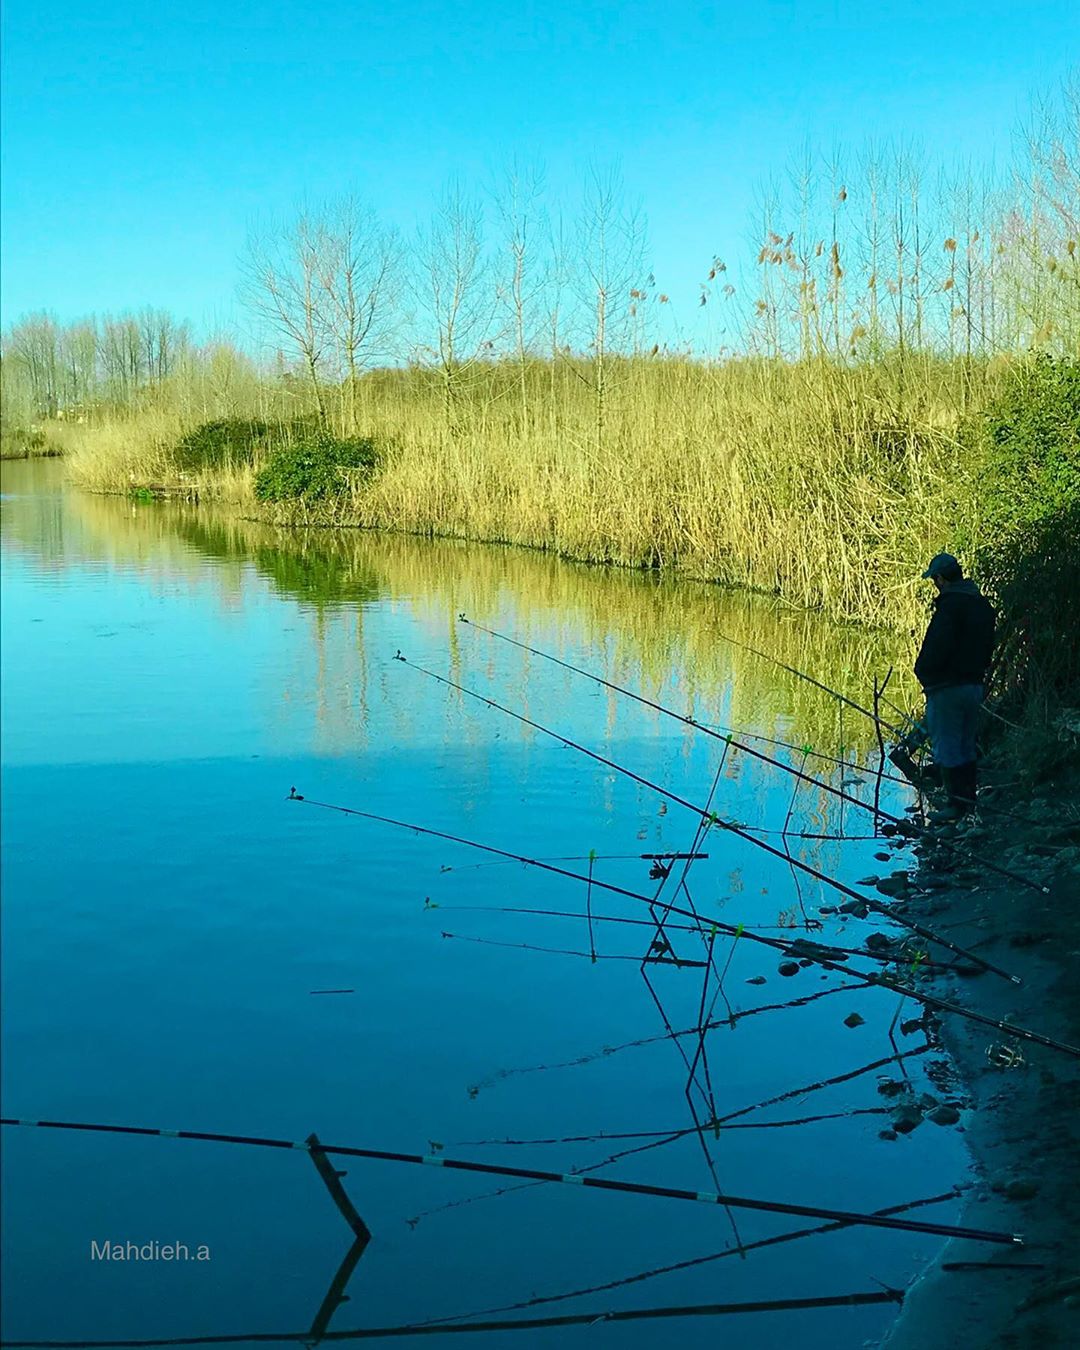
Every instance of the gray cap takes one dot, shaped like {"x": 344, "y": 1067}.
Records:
{"x": 942, "y": 562}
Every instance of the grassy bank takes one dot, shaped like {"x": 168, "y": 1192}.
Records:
{"x": 23, "y": 442}
{"x": 827, "y": 483}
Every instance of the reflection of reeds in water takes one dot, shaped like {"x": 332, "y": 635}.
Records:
{"x": 664, "y": 637}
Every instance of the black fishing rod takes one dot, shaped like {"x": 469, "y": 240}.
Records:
{"x": 701, "y": 928}
{"x": 535, "y": 1174}
{"x": 807, "y": 750}
{"x": 799, "y": 674}
{"x": 446, "y": 1327}
{"x": 710, "y": 817}
{"x": 686, "y": 720}
{"x": 873, "y": 716}
{"x": 872, "y": 978}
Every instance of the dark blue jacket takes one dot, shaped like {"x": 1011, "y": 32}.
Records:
{"x": 959, "y": 641}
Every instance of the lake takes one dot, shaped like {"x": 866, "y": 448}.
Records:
{"x": 171, "y": 920}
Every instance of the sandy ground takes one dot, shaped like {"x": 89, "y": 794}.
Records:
{"x": 1021, "y": 1120}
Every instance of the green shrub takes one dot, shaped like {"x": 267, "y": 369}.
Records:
{"x": 215, "y": 444}
{"x": 314, "y": 468}
{"x": 1026, "y": 546}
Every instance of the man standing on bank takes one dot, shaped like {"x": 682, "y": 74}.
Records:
{"x": 951, "y": 667}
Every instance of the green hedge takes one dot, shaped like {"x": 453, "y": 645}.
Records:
{"x": 314, "y": 468}
{"x": 214, "y": 444}
{"x": 1025, "y": 547}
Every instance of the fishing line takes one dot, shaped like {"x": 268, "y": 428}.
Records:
{"x": 712, "y": 818}
{"x": 929, "y": 1000}
{"x": 901, "y": 821}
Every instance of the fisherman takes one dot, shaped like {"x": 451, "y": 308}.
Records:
{"x": 951, "y": 667}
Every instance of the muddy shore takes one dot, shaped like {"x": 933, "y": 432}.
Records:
{"x": 1019, "y": 1103}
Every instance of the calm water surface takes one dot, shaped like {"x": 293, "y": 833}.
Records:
{"x": 168, "y": 677}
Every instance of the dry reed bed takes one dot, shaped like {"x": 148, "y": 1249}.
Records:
{"x": 825, "y": 483}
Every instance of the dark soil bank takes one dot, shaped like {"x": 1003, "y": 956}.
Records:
{"x": 1020, "y": 1102}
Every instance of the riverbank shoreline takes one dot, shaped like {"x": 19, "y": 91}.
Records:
{"x": 1019, "y": 1116}
{"x": 47, "y": 452}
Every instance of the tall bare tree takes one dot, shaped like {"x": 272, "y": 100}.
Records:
{"x": 161, "y": 337}
{"x": 34, "y": 347}
{"x": 358, "y": 262}
{"x": 611, "y": 245}
{"x": 520, "y": 203}
{"x": 281, "y": 283}
{"x": 455, "y": 293}
{"x": 78, "y": 352}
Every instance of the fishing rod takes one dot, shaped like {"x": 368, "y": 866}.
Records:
{"x": 873, "y": 977}
{"x": 535, "y": 1174}
{"x": 799, "y": 674}
{"x": 702, "y": 928}
{"x": 877, "y": 811}
{"x": 710, "y": 817}
{"x": 654, "y": 1272}
{"x": 690, "y": 721}
{"x": 447, "y": 1326}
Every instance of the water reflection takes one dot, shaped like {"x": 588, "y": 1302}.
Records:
{"x": 666, "y": 639}
{"x": 170, "y": 672}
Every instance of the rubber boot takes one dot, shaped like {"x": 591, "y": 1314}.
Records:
{"x": 965, "y": 787}
{"x": 955, "y": 805}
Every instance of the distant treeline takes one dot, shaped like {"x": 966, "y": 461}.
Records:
{"x": 870, "y": 261}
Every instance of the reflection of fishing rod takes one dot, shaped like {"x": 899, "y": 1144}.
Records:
{"x": 702, "y": 928}
{"x": 443, "y": 1327}
{"x": 535, "y": 1174}
{"x": 909, "y": 738}
{"x": 695, "y": 1261}
{"x": 873, "y": 977}
{"x": 903, "y": 825}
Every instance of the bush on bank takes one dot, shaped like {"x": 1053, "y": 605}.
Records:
{"x": 315, "y": 467}
{"x": 213, "y": 445}
{"x": 1024, "y": 548}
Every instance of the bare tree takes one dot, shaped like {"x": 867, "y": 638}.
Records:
{"x": 34, "y": 347}
{"x": 558, "y": 275}
{"x": 454, "y": 291}
{"x": 161, "y": 337}
{"x": 78, "y": 352}
{"x": 611, "y": 243}
{"x": 357, "y": 262}
{"x": 122, "y": 357}
{"x": 281, "y": 283}
{"x": 520, "y": 207}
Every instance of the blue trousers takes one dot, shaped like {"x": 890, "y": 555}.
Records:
{"x": 952, "y": 717}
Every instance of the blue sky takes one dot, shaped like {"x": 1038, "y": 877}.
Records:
{"x": 138, "y": 145}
